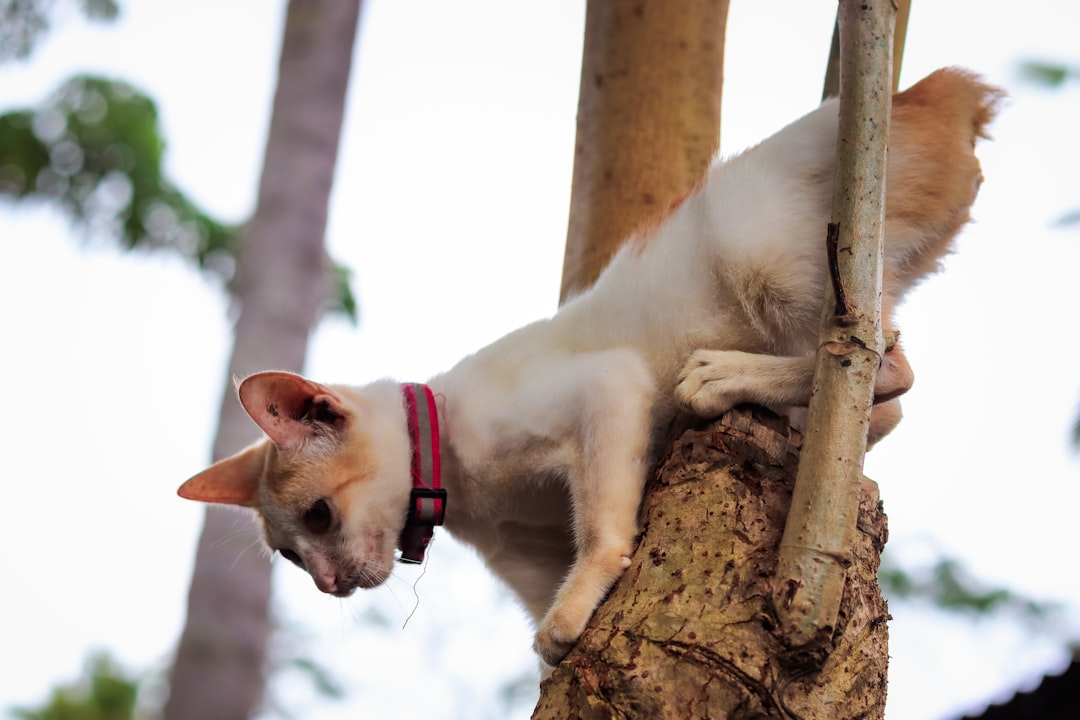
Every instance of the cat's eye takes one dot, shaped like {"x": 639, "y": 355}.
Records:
{"x": 318, "y": 518}
{"x": 291, "y": 556}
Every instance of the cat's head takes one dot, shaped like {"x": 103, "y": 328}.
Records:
{"x": 330, "y": 481}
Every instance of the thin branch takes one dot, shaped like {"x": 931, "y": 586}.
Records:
{"x": 820, "y": 529}
{"x": 832, "y": 66}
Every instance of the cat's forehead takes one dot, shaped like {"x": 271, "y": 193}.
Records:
{"x": 294, "y": 480}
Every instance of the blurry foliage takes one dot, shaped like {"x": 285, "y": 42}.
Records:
{"x": 1076, "y": 432}
{"x": 94, "y": 148}
{"x": 24, "y": 22}
{"x": 947, "y": 585}
{"x": 104, "y": 692}
{"x": 1054, "y": 75}
{"x": 1050, "y": 74}
{"x": 291, "y": 658}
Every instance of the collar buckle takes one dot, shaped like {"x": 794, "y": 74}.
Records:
{"x": 427, "y": 501}
{"x": 427, "y": 506}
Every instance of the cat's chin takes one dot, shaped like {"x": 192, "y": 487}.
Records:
{"x": 342, "y": 593}
{"x": 363, "y": 580}
{"x": 373, "y": 576}
{"x": 364, "y": 576}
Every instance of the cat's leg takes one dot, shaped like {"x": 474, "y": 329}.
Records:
{"x": 613, "y": 397}
{"x": 714, "y": 381}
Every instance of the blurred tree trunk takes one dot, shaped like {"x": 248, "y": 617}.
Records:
{"x": 282, "y": 285}
{"x": 648, "y": 121}
{"x": 690, "y": 630}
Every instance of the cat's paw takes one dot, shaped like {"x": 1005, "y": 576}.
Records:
{"x": 708, "y": 385}
{"x": 556, "y": 638}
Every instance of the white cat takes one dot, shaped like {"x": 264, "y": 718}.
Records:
{"x": 535, "y": 449}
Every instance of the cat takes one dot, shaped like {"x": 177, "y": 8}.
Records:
{"x": 535, "y": 449}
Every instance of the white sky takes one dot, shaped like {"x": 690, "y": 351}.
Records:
{"x": 456, "y": 163}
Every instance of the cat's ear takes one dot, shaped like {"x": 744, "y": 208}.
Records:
{"x": 233, "y": 481}
{"x": 291, "y": 409}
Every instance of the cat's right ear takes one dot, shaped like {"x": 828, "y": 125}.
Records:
{"x": 232, "y": 481}
{"x": 291, "y": 409}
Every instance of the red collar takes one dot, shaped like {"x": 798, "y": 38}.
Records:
{"x": 427, "y": 503}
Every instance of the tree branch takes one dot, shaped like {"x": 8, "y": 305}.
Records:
{"x": 689, "y": 631}
{"x": 817, "y": 544}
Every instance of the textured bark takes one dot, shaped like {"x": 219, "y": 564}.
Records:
{"x": 690, "y": 630}
{"x": 281, "y": 286}
{"x": 648, "y": 121}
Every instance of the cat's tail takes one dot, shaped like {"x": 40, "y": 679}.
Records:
{"x": 933, "y": 175}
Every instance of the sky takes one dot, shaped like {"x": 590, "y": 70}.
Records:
{"x": 455, "y": 163}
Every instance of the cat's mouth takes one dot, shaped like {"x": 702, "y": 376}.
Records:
{"x": 341, "y": 573}
{"x": 345, "y": 584}
{"x": 344, "y": 593}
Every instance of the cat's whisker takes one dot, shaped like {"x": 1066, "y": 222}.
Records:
{"x": 255, "y": 544}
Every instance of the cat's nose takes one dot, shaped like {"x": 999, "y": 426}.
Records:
{"x": 325, "y": 574}
{"x": 330, "y": 584}
{"x": 325, "y": 583}
{"x": 334, "y": 576}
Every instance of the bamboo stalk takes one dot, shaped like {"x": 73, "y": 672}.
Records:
{"x": 820, "y": 529}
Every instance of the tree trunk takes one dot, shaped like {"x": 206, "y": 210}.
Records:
{"x": 648, "y": 121}
{"x": 281, "y": 286}
{"x": 690, "y": 630}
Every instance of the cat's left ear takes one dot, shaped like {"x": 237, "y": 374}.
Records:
{"x": 291, "y": 409}
{"x": 232, "y": 481}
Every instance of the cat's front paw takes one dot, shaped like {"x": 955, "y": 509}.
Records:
{"x": 555, "y": 639}
{"x": 708, "y": 383}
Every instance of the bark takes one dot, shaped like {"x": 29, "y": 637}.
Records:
{"x": 690, "y": 630}
{"x": 648, "y": 121}
{"x": 281, "y": 286}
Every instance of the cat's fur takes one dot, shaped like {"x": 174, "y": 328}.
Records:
{"x": 548, "y": 432}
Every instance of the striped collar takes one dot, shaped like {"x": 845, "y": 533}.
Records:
{"x": 427, "y": 502}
